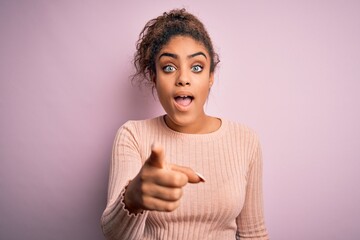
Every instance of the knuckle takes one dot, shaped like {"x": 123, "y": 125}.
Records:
{"x": 146, "y": 203}
{"x": 171, "y": 206}
{"x": 176, "y": 194}
{"x": 143, "y": 176}
{"x": 143, "y": 188}
{"x": 179, "y": 179}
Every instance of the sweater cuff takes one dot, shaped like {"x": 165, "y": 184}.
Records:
{"x": 123, "y": 205}
{"x": 118, "y": 221}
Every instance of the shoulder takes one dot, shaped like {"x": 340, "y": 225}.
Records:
{"x": 245, "y": 138}
{"x": 141, "y": 124}
{"x": 135, "y": 132}
{"x": 240, "y": 129}
{"x": 139, "y": 127}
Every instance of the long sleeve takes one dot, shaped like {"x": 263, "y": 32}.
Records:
{"x": 117, "y": 222}
{"x": 227, "y": 206}
{"x": 250, "y": 222}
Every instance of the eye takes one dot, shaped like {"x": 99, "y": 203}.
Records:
{"x": 169, "y": 69}
{"x": 197, "y": 68}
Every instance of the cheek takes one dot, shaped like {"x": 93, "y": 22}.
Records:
{"x": 205, "y": 90}
{"x": 161, "y": 91}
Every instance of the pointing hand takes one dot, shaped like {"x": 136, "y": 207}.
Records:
{"x": 158, "y": 185}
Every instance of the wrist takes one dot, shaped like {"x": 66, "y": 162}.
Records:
{"x": 129, "y": 202}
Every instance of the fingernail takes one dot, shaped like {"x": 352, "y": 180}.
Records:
{"x": 202, "y": 179}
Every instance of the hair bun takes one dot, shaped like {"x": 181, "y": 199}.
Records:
{"x": 176, "y": 14}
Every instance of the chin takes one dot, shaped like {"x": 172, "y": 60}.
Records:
{"x": 182, "y": 120}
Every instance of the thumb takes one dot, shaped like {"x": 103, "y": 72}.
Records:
{"x": 157, "y": 156}
{"x": 193, "y": 177}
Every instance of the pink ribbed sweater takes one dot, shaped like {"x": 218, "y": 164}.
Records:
{"x": 227, "y": 206}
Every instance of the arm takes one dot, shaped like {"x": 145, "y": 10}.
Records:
{"x": 155, "y": 185}
{"x": 250, "y": 222}
{"x": 117, "y": 222}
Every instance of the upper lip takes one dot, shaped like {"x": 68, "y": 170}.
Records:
{"x": 183, "y": 94}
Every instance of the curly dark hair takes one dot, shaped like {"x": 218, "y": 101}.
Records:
{"x": 158, "y": 32}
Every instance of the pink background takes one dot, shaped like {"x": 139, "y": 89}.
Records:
{"x": 289, "y": 69}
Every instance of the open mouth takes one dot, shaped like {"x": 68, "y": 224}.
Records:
{"x": 184, "y": 100}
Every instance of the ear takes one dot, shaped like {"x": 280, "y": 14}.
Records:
{"x": 211, "y": 79}
{"x": 153, "y": 78}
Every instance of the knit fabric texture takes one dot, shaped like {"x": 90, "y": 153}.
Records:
{"x": 227, "y": 206}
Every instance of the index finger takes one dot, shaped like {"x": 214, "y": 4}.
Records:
{"x": 193, "y": 177}
{"x": 157, "y": 156}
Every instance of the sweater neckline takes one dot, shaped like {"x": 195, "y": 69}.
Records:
{"x": 217, "y": 133}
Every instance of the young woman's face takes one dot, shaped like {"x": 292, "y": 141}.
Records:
{"x": 183, "y": 80}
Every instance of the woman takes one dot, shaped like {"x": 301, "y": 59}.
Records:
{"x": 154, "y": 160}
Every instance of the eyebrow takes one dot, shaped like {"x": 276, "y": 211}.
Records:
{"x": 172, "y": 55}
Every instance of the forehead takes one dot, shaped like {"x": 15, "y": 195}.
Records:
{"x": 183, "y": 45}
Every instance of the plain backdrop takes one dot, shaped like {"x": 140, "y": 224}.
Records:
{"x": 289, "y": 69}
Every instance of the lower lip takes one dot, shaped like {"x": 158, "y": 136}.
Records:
{"x": 182, "y": 108}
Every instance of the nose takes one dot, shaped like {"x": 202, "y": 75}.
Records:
{"x": 183, "y": 79}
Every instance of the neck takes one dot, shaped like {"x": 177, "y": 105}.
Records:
{"x": 203, "y": 125}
